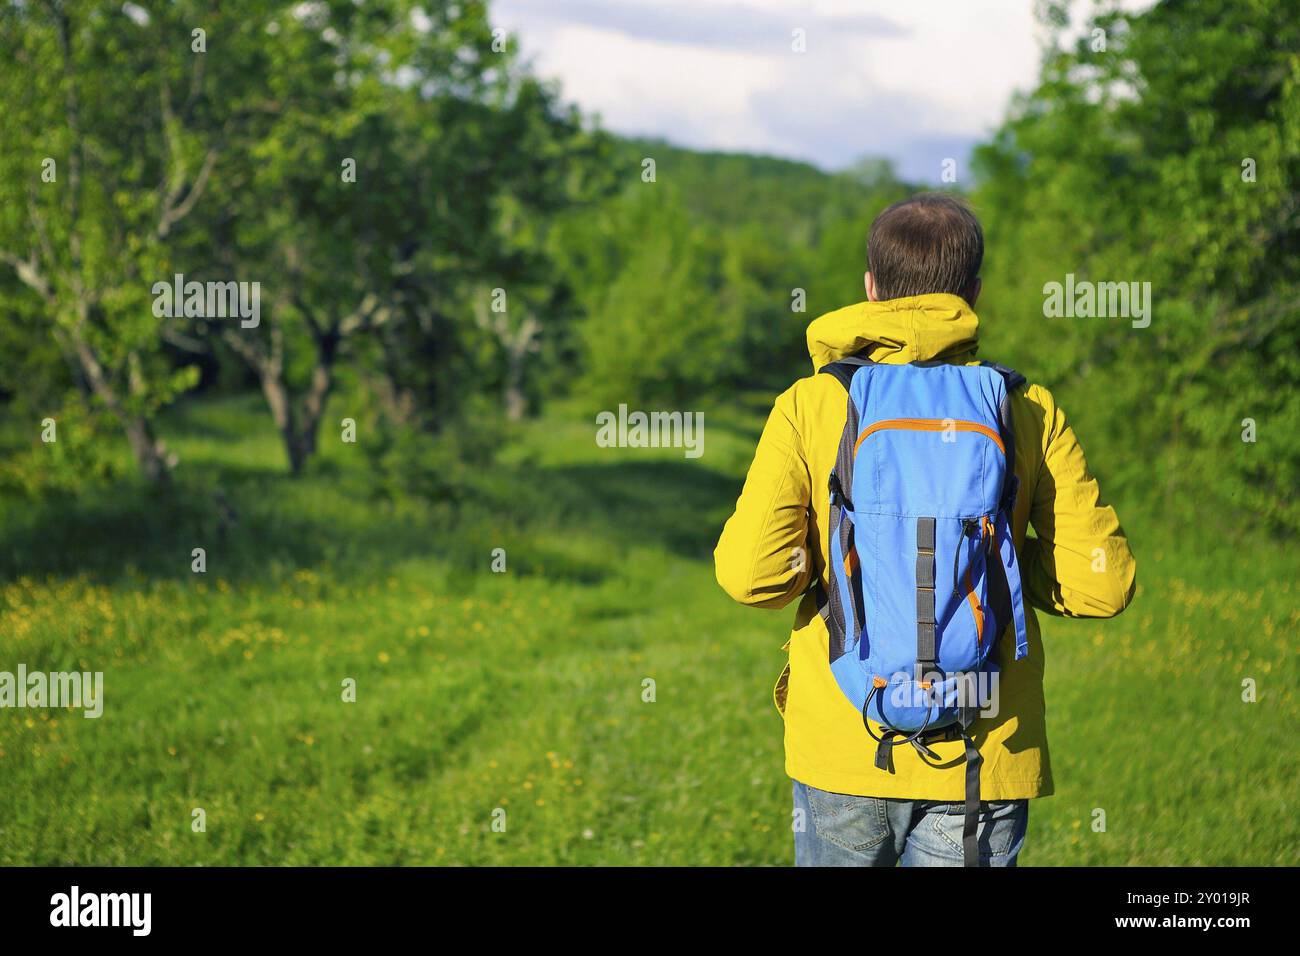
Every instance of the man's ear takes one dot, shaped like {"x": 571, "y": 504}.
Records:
{"x": 975, "y": 292}
{"x": 870, "y": 282}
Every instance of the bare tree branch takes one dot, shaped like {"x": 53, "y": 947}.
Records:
{"x": 28, "y": 272}
{"x": 359, "y": 318}
{"x": 72, "y": 115}
{"x": 246, "y": 349}
{"x": 318, "y": 331}
{"x": 182, "y": 341}
{"x": 174, "y": 207}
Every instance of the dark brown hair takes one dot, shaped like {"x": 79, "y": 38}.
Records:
{"x": 930, "y": 242}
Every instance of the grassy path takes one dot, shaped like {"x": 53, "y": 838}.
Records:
{"x": 523, "y": 691}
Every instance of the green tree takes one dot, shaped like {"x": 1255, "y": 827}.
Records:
{"x": 407, "y": 168}
{"x": 650, "y": 284}
{"x": 110, "y": 141}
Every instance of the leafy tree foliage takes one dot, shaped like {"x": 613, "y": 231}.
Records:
{"x": 708, "y": 275}
{"x": 378, "y": 169}
{"x": 109, "y": 145}
{"x": 1171, "y": 157}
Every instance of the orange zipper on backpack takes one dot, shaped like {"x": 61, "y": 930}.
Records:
{"x": 929, "y": 425}
{"x": 976, "y": 611}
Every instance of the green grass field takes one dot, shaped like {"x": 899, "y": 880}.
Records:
{"x": 523, "y": 690}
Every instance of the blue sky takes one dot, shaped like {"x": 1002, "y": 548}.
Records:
{"x": 917, "y": 81}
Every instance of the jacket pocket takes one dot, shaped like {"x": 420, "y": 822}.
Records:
{"x": 782, "y": 689}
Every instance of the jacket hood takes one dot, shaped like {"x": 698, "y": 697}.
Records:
{"x": 915, "y": 329}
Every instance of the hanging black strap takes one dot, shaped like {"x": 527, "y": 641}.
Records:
{"x": 970, "y": 823}
{"x": 926, "y": 753}
{"x": 885, "y": 751}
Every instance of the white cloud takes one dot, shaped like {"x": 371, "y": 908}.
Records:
{"x": 917, "y": 82}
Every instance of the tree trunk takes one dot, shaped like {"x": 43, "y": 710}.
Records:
{"x": 313, "y": 403}
{"x": 298, "y": 426}
{"x": 280, "y": 402}
{"x": 518, "y": 347}
{"x": 150, "y": 453}
{"x": 515, "y": 399}
{"x": 517, "y": 344}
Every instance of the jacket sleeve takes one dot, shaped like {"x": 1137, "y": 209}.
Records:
{"x": 762, "y": 558}
{"x": 1079, "y": 565}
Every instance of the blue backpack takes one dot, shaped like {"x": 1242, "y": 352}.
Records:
{"x": 922, "y": 571}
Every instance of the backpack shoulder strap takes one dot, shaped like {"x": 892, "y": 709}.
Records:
{"x": 1002, "y": 533}
{"x": 843, "y": 369}
{"x": 1012, "y": 380}
{"x": 1010, "y": 377}
{"x": 842, "y": 612}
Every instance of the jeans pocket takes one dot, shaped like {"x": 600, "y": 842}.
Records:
{"x": 999, "y": 832}
{"x": 849, "y": 822}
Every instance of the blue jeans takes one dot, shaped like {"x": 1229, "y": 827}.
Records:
{"x": 837, "y": 829}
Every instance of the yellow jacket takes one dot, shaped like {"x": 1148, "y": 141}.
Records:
{"x": 1078, "y": 565}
